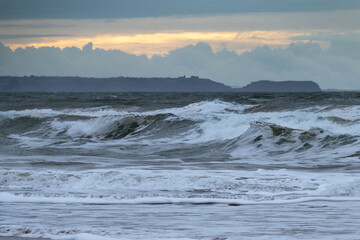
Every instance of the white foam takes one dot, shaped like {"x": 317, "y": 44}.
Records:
{"x": 344, "y": 186}
{"x": 7, "y": 197}
{"x": 35, "y": 113}
{"x": 85, "y": 236}
{"x": 45, "y": 113}
{"x": 32, "y": 142}
{"x": 84, "y": 128}
{"x": 219, "y": 124}
{"x": 126, "y": 185}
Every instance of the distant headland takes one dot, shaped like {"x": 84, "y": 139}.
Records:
{"x": 283, "y": 86}
{"x": 135, "y": 84}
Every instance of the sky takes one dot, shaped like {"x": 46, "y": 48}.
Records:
{"x": 234, "y": 41}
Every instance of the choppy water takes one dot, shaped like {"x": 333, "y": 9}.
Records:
{"x": 180, "y": 166}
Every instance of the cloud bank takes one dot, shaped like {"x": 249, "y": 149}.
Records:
{"x": 330, "y": 68}
{"x": 80, "y": 9}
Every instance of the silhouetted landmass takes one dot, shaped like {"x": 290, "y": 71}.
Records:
{"x": 129, "y": 84}
{"x": 118, "y": 84}
{"x": 284, "y": 86}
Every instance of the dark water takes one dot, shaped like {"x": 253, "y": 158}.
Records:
{"x": 180, "y": 165}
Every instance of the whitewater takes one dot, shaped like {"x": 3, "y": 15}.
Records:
{"x": 180, "y": 165}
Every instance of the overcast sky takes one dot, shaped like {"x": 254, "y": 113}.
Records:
{"x": 233, "y": 41}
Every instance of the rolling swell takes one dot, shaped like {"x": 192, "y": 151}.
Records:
{"x": 113, "y": 127}
{"x": 279, "y": 135}
{"x": 153, "y": 125}
{"x": 208, "y": 129}
{"x": 288, "y": 146}
{"x": 19, "y": 125}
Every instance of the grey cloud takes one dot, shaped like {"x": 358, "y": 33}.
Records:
{"x": 352, "y": 36}
{"x": 77, "y": 9}
{"x": 17, "y": 36}
{"x": 297, "y": 62}
{"x": 336, "y": 21}
{"x": 34, "y": 26}
{"x": 346, "y": 44}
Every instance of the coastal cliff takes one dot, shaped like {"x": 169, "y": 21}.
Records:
{"x": 283, "y": 86}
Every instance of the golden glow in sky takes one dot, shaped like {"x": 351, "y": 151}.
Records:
{"x": 162, "y": 43}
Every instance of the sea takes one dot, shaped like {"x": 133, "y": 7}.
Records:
{"x": 180, "y": 165}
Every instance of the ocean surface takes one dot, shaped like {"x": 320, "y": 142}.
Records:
{"x": 180, "y": 165}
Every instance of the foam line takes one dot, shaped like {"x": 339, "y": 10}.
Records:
{"x": 7, "y": 197}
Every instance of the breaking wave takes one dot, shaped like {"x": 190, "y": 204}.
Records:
{"x": 230, "y": 126}
{"x": 142, "y": 186}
